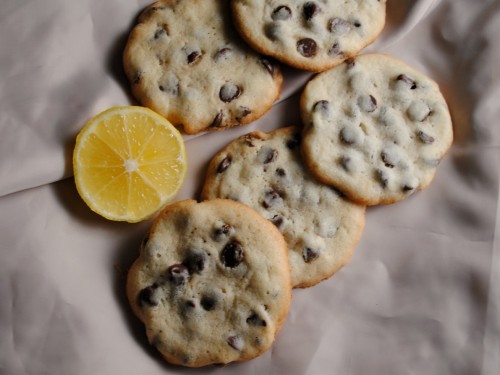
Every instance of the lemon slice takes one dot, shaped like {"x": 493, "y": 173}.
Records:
{"x": 129, "y": 162}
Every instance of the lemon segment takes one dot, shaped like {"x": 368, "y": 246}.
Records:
{"x": 129, "y": 162}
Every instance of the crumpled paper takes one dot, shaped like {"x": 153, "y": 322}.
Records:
{"x": 420, "y": 296}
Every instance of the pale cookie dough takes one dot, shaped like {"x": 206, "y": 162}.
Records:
{"x": 185, "y": 61}
{"x": 211, "y": 284}
{"x": 312, "y": 35}
{"x": 374, "y": 128}
{"x": 265, "y": 171}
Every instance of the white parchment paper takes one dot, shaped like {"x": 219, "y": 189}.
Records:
{"x": 420, "y": 296}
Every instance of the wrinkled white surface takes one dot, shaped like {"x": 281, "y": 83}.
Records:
{"x": 420, "y": 296}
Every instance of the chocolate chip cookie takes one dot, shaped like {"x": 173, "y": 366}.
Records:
{"x": 185, "y": 61}
{"x": 211, "y": 284}
{"x": 374, "y": 128}
{"x": 311, "y": 35}
{"x": 265, "y": 171}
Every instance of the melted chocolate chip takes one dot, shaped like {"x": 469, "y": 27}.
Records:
{"x": 250, "y": 139}
{"x": 223, "y": 53}
{"x": 217, "y": 120}
{"x": 310, "y": 9}
{"x": 409, "y": 81}
{"x": 280, "y": 172}
{"x": 339, "y": 26}
{"x": 425, "y": 138}
{"x": 281, "y": 13}
{"x": 224, "y": 164}
{"x": 277, "y": 221}
{"x": 256, "y": 320}
{"x": 244, "y": 112}
{"x": 407, "y": 188}
{"x": 388, "y": 160}
{"x": 228, "y": 92}
{"x": 367, "y": 103}
{"x": 235, "y": 342}
{"x": 148, "y": 296}
{"x": 335, "y": 49}
{"x": 222, "y": 232}
{"x": 208, "y": 303}
{"x": 307, "y": 47}
{"x": 294, "y": 141}
{"x": 137, "y": 78}
{"x": 193, "y": 57}
{"x": 382, "y": 178}
{"x": 178, "y": 274}
{"x": 232, "y": 254}
{"x": 309, "y": 255}
{"x": 322, "y": 106}
{"x": 195, "y": 262}
{"x": 271, "y": 199}
{"x": 351, "y": 63}
{"x": 268, "y": 65}
{"x": 271, "y": 156}
{"x": 160, "y": 32}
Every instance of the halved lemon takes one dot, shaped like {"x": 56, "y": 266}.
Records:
{"x": 129, "y": 162}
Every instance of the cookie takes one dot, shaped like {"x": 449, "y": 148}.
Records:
{"x": 211, "y": 284}
{"x": 185, "y": 61}
{"x": 374, "y": 128}
{"x": 310, "y": 35}
{"x": 265, "y": 171}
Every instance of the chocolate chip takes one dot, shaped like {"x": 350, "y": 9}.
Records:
{"x": 294, "y": 141}
{"x": 244, "y": 112}
{"x": 407, "y": 188}
{"x": 170, "y": 86}
{"x": 307, "y": 47}
{"x": 346, "y": 163}
{"x": 424, "y": 137}
{"x": 268, "y": 65}
{"x": 322, "y": 106}
{"x": 339, "y": 26}
{"x": 256, "y": 320}
{"x": 223, "y": 53}
{"x": 271, "y": 156}
{"x": 228, "y": 92}
{"x": 271, "y": 199}
{"x": 335, "y": 49}
{"x": 310, "y": 9}
{"x": 387, "y": 159}
{"x": 235, "y": 342}
{"x": 367, "y": 103}
{"x": 250, "y": 139}
{"x": 281, "y": 13}
{"x": 208, "y": 303}
{"x": 222, "y": 232}
{"x": 148, "y": 296}
{"x": 195, "y": 262}
{"x": 382, "y": 178}
{"x": 277, "y": 221}
{"x": 224, "y": 164}
{"x": 178, "y": 274}
{"x": 309, "y": 255}
{"x": 232, "y": 254}
{"x": 160, "y": 32}
{"x": 351, "y": 63}
{"x": 217, "y": 120}
{"x": 137, "y": 78}
{"x": 193, "y": 57}
{"x": 357, "y": 24}
{"x": 280, "y": 172}
{"x": 409, "y": 81}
